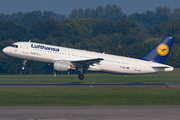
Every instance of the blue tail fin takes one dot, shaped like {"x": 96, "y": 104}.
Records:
{"x": 161, "y": 51}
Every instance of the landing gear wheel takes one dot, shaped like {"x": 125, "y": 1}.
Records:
{"x": 81, "y": 76}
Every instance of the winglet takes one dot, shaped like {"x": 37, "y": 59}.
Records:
{"x": 161, "y": 51}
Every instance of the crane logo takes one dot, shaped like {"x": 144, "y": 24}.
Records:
{"x": 162, "y": 49}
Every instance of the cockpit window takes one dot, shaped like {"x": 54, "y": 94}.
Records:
{"x": 15, "y": 46}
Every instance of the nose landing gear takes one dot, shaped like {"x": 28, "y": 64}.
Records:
{"x": 24, "y": 64}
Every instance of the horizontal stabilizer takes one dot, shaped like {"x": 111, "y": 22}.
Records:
{"x": 162, "y": 68}
{"x": 159, "y": 66}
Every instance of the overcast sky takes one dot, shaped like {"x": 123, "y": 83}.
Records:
{"x": 65, "y": 6}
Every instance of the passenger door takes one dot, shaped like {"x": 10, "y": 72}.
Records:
{"x": 26, "y": 48}
{"x": 138, "y": 66}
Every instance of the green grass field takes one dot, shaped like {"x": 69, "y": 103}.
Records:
{"x": 169, "y": 77}
{"x": 54, "y": 96}
{"x": 88, "y": 96}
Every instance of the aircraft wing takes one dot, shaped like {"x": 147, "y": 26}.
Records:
{"x": 86, "y": 63}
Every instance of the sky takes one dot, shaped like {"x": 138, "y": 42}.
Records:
{"x": 64, "y": 7}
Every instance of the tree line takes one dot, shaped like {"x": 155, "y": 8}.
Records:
{"x": 93, "y": 29}
{"x": 109, "y": 12}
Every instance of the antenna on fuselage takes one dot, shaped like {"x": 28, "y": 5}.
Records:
{"x": 29, "y": 40}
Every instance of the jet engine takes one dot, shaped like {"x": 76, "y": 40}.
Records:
{"x": 61, "y": 66}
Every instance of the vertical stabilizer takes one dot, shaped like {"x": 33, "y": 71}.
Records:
{"x": 161, "y": 51}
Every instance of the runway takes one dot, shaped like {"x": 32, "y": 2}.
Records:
{"x": 123, "y": 85}
{"x": 90, "y": 112}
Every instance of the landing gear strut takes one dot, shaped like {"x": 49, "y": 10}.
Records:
{"x": 24, "y": 64}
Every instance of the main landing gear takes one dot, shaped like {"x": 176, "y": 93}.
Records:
{"x": 81, "y": 76}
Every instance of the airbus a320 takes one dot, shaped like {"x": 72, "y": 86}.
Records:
{"x": 64, "y": 58}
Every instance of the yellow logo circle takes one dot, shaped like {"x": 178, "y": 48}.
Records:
{"x": 162, "y": 49}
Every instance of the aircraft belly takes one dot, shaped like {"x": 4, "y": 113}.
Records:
{"x": 115, "y": 68}
{"x": 126, "y": 69}
{"x": 40, "y": 59}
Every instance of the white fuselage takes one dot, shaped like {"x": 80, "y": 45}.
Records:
{"x": 111, "y": 63}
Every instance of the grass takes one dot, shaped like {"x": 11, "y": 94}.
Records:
{"x": 169, "y": 77}
{"x": 88, "y": 96}
{"x": 54, "y": 96}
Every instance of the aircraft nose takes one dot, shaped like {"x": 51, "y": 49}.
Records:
{"x": 5, "y": 50}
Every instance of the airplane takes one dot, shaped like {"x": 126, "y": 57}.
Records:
{"x": 64, "y": 58}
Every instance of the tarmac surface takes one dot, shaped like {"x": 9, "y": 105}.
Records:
{"x": 128, "y": 85}
{"x": 89, "y": 112}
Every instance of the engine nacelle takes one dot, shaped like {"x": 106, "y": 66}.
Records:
{"x": 61, "y": 66}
